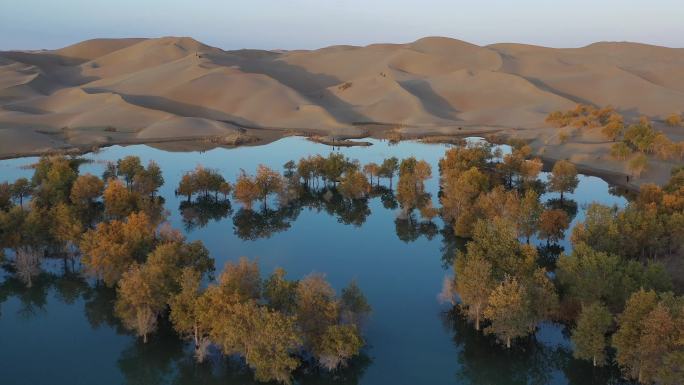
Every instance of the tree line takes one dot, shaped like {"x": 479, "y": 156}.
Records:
{"x": 115, "y": 227}
{"x": 633, "y": 142}
{"x": 613, "y": 291}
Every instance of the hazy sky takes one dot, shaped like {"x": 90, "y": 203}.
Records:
{"x": 33, "y": 24}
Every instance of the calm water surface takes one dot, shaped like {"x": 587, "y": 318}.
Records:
{"x": 62, "y": 330}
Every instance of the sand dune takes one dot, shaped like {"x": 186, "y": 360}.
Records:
{"x": 112, "y": 90}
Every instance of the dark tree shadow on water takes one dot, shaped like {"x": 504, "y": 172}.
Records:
{"x": 198, "y": 213}
{"x": 409, "y": 229}
{"x": 482, "y": 360}
{"x": 547, "y": 255}
{"x": 252, "y": 225}
{"x": 451, "y": 245}
{"x": 567, "y": 205}
{"x": 152, "y": 363}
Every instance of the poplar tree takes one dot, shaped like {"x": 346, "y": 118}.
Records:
{"x": 590, "y": 334}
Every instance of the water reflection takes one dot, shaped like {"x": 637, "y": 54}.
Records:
{"x": 398, "y": 260}
{"x": 198, "y": 213}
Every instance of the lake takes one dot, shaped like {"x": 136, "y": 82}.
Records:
{"x": 61, "y": 331}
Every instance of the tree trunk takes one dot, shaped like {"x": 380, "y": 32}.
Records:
{"x": 477, "y": 321}
{"x": 508, "y": 342}
{"x": 145, "y": 338}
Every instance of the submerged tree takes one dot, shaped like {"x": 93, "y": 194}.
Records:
{"x": 474, "y": 284}
{"x": 508, "y": 311}
{"x": 140, "y": 300}
{"x": 590, "y": 334}
{"x": 563, "y": 178}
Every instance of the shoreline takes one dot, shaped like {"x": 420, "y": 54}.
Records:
{"x": 264, "y": 137}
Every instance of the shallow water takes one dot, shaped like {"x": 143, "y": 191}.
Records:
{"x": 61, "y": 331}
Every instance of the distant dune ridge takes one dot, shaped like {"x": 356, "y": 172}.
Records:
{"x": 116, "y": 90}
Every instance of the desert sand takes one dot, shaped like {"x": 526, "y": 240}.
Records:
{"x": 108, "y": 91}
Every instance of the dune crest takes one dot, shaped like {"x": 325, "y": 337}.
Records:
{"x": 115, "y": 90}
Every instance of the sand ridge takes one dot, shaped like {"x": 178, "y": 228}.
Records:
{"x": 105, "y": 91}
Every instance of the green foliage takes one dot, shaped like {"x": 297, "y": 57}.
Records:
{"x": 508, "y": 311}
{"x": 241, "y": 279}
{"x": 354, "y": 307}
{"x": 279, "y": 293}
{"x": 589, "y": 336}
{"x": 473, "y": 284}
{"x": 590, "y": 276}
{"x": 128, "y": 167}
{"x": 563, "y": 178}
{"x": 640, "y": 136}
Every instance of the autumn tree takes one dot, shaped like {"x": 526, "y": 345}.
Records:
{"x": 20, "y": 189}
{"x": 674, "y": 120}
{"x": 563, "y": 178}
{"x": 317, "y": 308}
{"x": 508, "y": 311}
{"x": 225, "y": 188}
{"x": 268, "y": 182}
{"x": 373, "y": 171}
{"x": 112, "y": 247}
{"x": 187, "y": 186}
{"x": 496, "y": 241}
{"x": 186, "y": 308}
{"x": 637, "y": 165}
{"x": 119, "y": 202}
{"x": 86, "y": 189}
{"x": 473, "y": 284}
{"x": 354, "y": 185}
{"x": 265, "y": 338}
{"x": 411, "y": 187}
{"x": 147, "y": 181}
{"x": 279, "y": 293}
{"x": 128, "y": 167}
{"x": 27, "y": 262}
{"x": 246, "y": 190}
{"x": 5, "y": 196}
{"x": 530, "y": 169}
{"x": 337, "y": 345}
{"x": 631, "y": 355}
{"x": 640, "y": 136}
{"x": 620, "y": 150}
{"x": 529, "y": 212}
{"x": 459, "y": 192}
{"x": 241, "y": 279}
{"x": 590, "y": 334}
{"x": 389, "y": 168}
{"x": 140, "y": 300}
{"x": 614, "y": 128}
{"x": 66, "y": 227}
{"x": 53, "y": 178}
{"x": 552, "y": 225}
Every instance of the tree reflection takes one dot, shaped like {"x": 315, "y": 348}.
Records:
{"x": 32, "y": 299}
{"x": 198, "y": 213}
{"x": 252, "y": 225}
{"x": 152, "y": 363}
{"x": 547, "y": 255}
{"x": 483, "y": 361}
{"x": 409, "y": 229}
{"x": 347, "y": 211}
{"x": 451, "y": 244}
{"x": 568, "y": 205}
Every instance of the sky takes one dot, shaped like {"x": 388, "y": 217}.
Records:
{"x": 309, "y": 24}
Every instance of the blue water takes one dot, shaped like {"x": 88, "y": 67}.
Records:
{"x": 59, "y": 331}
